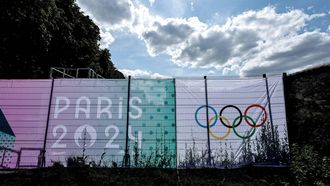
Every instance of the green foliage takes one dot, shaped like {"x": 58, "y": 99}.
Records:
{"x": 247, "y": 155}
{"x": 76, "y": 161}
{"x": 114, "y": 165}
{"x": 160, "y": 158}
{"x": 90, "y": 176}
{"x": 136, "y": 155}
{"x": 155, "y": 160}
{"x": 97, "y": 164}
{"x": 193, "y": 159}
{"x": 104, "y": 65}
{"x": 57, "y": 165}
{"x": 269, "y": 147}
{"x": 39, "y": 34}
{"x": 308, "y": 167}
{"x": 229, "y": 158}
{"x": 308, "y": 103}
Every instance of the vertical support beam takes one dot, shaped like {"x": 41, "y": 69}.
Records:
{"x": 176, "y": 134}
{"x": 270, "y": 111}
{"x": 126, "y": 161}
{"x": 284, "y": 75}
{"x": 77, "y": 72}
{"x": 3, "y": 156}
{"x": 285, "y": 105}
{"x": 18, "y": 162}
{"x": 207, "y": 122}
{"x": 43, "y": 163}
{"x": 51, "y": 73}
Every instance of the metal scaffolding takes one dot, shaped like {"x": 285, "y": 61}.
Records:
{"x": 60, "y": 72}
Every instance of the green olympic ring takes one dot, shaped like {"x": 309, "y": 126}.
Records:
{"x": 253, "y": 128}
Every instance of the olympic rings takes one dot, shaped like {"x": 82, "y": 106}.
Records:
{"x": 219, "y": 137}
{"x": 237, "y": 121}
{"x": 240, "y": 116}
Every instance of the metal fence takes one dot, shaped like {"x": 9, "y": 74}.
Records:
{"x": 166, "y": 123}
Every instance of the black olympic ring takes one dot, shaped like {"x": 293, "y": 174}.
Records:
{"x": 240, "y": 116}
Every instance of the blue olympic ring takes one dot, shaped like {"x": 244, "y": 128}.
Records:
{"x": 214, "y": 121}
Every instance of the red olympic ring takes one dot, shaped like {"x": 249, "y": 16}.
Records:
{"x": 264, "y": 119}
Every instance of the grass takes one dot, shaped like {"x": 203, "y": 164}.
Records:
{"x": 107, "y": 176}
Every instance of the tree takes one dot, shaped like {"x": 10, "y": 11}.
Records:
{"x": 105, "y": 66}
{"x": 39, "y": 34}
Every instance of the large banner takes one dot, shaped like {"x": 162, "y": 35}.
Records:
{"x": 168, "y": 123}
{"x": 89, "y": 119}
{"x": 153, "y": 124}
{"x": 235, "y": 116}
{"x": 23, "y": 116}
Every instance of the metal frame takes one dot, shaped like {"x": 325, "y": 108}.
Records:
{"x": 43, "y": 163}
{"x": 175, "y": 121}
{"x": 284, "y": 79}
{"x": 4, "y": 154}
{"x": 270, "y": 110}
{"x": 127, "y": 160}
{"x": 64, "y": 72}
{"x": 19, "y": 155}
{"x": 207, "y": 122}
{"x": 40, "y": 157}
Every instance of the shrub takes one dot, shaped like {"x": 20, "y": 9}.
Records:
{"x": 308, "y": 167}
{"x": 57, "y": 164}
{"x": 76, "y": 161}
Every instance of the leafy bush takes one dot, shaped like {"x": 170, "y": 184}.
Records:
{"x": 308, "y": 167}
{"x": 76, "y": 161}
{"x": 57, "y": 164}
{"x": 161, "y": 157}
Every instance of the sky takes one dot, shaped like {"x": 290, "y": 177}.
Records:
{"x": 194, "y": 38}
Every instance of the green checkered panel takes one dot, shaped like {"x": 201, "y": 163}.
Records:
{"x": 152, "y": 123}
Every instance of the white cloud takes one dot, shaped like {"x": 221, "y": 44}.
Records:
{"x": 109, "y": 12}
{"x": 109, "y": 15}
{"x": 295, "y": 53}
{"x": 253, "y": 42}
{"x": 137, "y": 73}
{"x": 165, "y": 34}
{"x": 106, "y": 38}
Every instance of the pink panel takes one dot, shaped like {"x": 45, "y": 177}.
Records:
{"x": 24, "y": 103}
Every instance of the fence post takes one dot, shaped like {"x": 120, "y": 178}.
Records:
{"x": 285, "y": 106}
{"x": 43, "y": 163}
{"x": 176, "y": 134}
{"x": 127, "y": 159}
{"x": 270, "y": 111}
{"x": 208, "y": 124}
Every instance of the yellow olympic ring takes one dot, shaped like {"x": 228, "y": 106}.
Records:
{"x": 215, "y": 136}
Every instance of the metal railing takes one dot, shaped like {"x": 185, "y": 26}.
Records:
{"x": 60, "y": 72}
{"x": 6, "y": 150}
